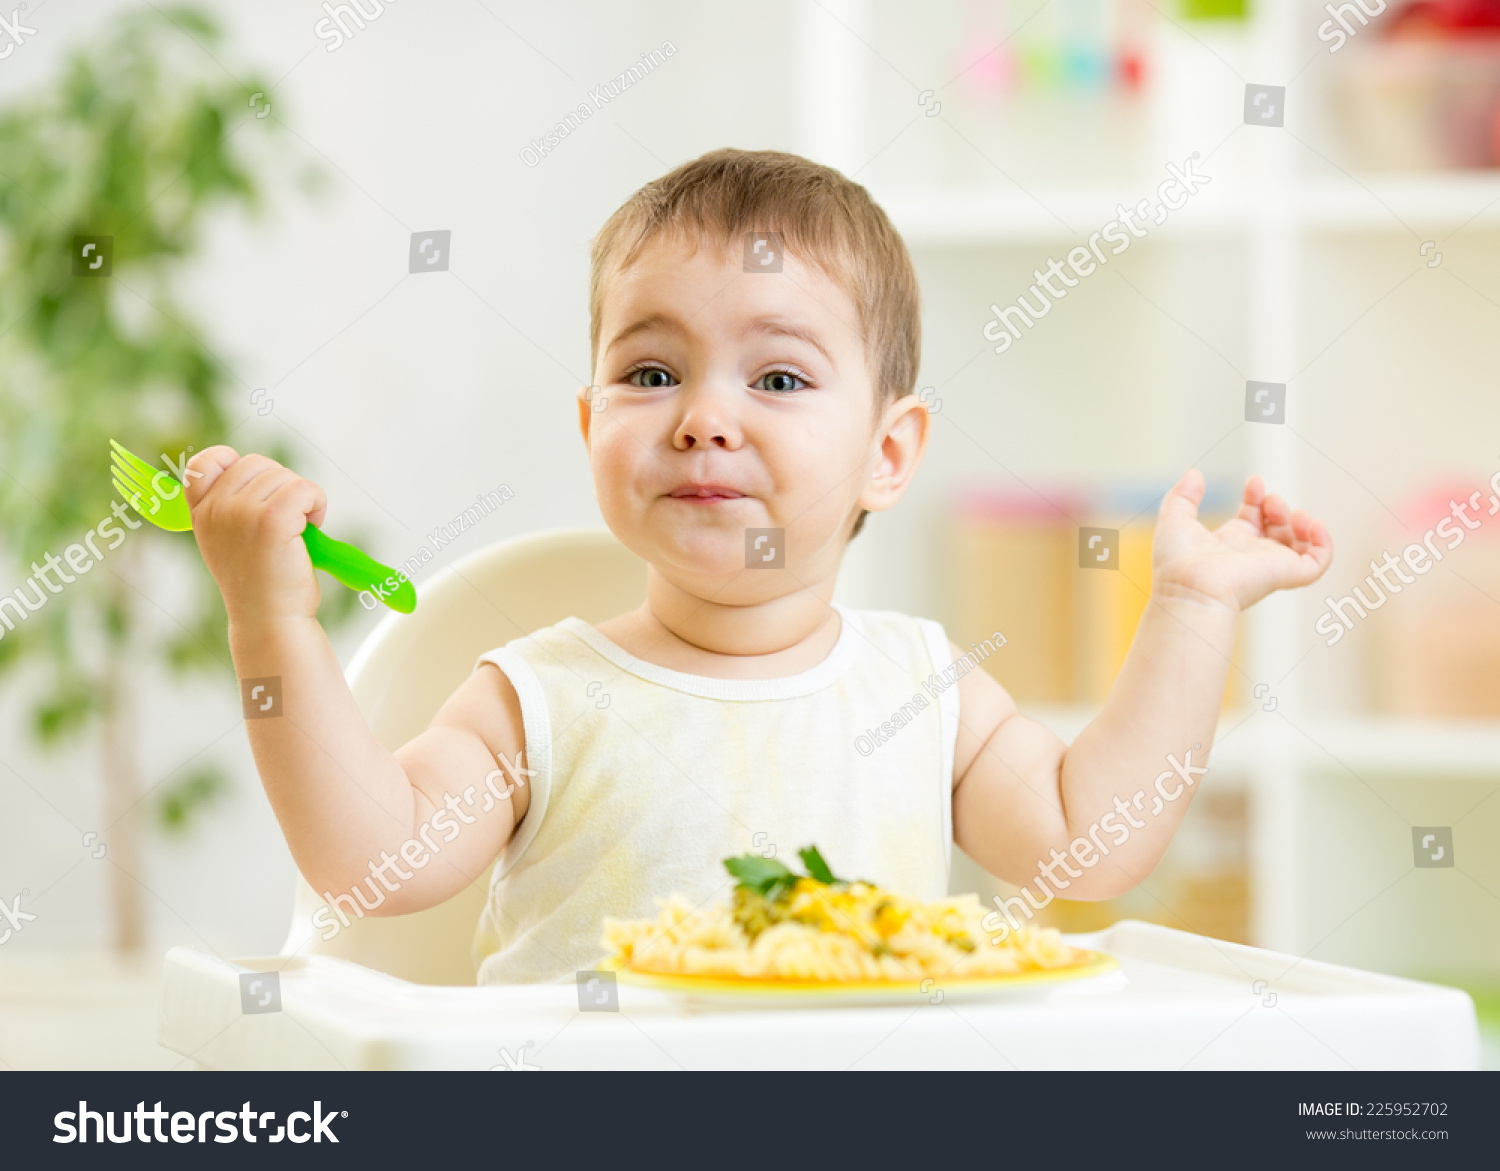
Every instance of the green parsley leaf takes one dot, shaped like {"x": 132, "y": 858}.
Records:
{"x": 762, "y": 875}
{"x": 816, "y": 867}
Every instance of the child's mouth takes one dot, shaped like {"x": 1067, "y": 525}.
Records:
{"x": 705, "y": 494}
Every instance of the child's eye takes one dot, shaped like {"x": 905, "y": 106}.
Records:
{"x": 649, "y": 378}
{"x": 780, "y": 381}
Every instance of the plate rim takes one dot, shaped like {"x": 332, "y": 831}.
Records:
{"x": 1097, "y": 964}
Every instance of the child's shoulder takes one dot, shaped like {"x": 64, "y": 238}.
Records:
{"x": 922, "y": 639}
{"x": 569, "y": 631}
{"x": 893, "y": 627}
{"x": 889, "y": 619}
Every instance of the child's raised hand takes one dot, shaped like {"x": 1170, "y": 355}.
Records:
{"x": 1265, "y": 547}
{"x": 248, "y": 515}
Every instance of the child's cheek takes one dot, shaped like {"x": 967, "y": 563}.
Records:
{"x": 612, "y": 471}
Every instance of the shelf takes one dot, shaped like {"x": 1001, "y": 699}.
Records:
{"x": 1044, "y": 215}
{"x": 1048, "y": 214}
{"x": 1276, "y": 202}
{"x": 1370, "y": 744}
{"x": 1418, "y": 747}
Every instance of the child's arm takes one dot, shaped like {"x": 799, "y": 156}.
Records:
{"x": 345, "y": 803}
{"x": 1024, "y": 799}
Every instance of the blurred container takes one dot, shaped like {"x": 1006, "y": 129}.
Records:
{"x": 1057, "y": 92}
{"x": 1015, "y": 566}
{"x": 1215, "y": 10}
{"x": 1436, "y": 644}
{"x": 1013, "y": 559}
{"x": 1087, "y": 46}
{"x": 1422, "y": 104}
{"x": 1110, "y": 605}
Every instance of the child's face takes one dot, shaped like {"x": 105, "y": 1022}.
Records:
{"x": 735, "y": 401}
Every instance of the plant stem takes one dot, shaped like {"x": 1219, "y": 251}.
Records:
{"x": 122, "y": 778}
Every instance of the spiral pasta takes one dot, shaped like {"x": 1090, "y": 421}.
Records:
{"x": 837, "y": 933}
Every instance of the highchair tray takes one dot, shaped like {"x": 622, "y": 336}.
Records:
{"x": 1177, "y": 1001}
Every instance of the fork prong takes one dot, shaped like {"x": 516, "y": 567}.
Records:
{"x": 133, "y": 460}
{"x": 156, "y": 515}
{"x": 127, "y": 493}
{"x": 129, "y": 473}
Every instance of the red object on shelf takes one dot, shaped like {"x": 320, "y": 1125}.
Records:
{"x": 1047, "y": 503}
{"x": 1445, "y": 18}
{"x": 1426, "y": 509}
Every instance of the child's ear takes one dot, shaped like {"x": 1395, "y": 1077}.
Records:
{"x": 585, "y": 412}
{"x": 903, "y": 440}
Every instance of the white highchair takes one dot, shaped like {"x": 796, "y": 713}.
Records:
{"x": 389, "y": 993}
{"x": 411, "y": 663}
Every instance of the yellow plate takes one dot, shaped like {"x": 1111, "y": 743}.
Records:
{"x": 744, "y": 990}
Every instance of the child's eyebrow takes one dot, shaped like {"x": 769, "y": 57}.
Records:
{"x": 772, "y": 326}
{"x": 645, "y": 324}
{"x": 777, "y": 327}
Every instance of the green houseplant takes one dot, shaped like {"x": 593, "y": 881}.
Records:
{"x": 130, "y": 146}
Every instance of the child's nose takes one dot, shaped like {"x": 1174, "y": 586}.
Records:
{"x": 707, "y": 420}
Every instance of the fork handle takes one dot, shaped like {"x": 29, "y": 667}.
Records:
{"x": 357, "y": 570}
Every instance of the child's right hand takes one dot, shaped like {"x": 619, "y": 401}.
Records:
{"x": 248, "y": 515}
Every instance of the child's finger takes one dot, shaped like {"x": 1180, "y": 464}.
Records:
{"x": 203, "y": 469}
{"x": 264, "y": 483}
{"x": 1277, "y": 518}
{"x": 246, "y": 471}
{"x": 1301, "y": 530}
{"x": 1313, "y": 559}
{"x": 303, "y": 498}
{"x": 1255, "y": 492}
{"x": 1182, "y": 500}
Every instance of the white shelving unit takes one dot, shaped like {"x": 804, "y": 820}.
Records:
{"x": 1274, "y": 212}
{"x": 1459, "y": 750}
{"x": 1001, "y": 216}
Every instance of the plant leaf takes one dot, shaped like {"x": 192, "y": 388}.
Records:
{"x": 816, "y": 867}
{"x": 759, "y": 874}
{"x": 177, "y": 807}
{"x": 67, "y": 709}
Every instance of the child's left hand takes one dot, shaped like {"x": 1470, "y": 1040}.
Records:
{"x": 1265, "y": 547}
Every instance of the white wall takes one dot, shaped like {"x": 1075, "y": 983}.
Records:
{"x": 406, "y": 395}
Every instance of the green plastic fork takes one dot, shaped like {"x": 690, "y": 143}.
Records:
{"x": 159, "y": 498}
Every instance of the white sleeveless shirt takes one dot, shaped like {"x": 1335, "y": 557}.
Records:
{"x": 647, "y": 778}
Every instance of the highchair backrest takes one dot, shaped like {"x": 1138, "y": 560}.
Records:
{"x": 411, "y": 663}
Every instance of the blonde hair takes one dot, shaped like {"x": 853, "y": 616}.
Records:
{"x": 821, "y": 216}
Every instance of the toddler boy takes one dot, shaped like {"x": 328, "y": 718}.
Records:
{"x": 755, "y": 335}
